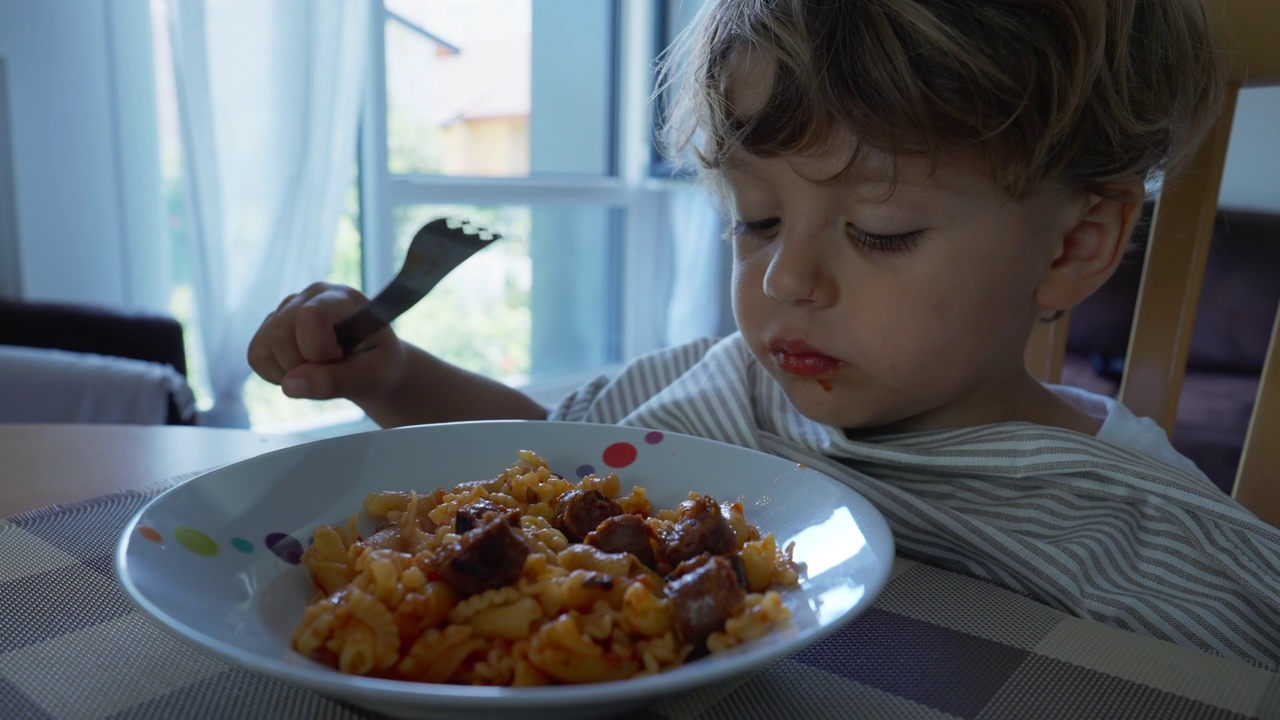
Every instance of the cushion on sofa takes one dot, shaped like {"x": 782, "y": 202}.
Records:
{"x": 100, "y": 330}
{"x": 91, "y": 328}
{"x": 40, "y": 385}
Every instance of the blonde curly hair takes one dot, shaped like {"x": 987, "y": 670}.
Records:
{"x": 1084, "y": 92}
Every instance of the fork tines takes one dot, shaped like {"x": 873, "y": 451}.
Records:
{"x": 470, "y": 228}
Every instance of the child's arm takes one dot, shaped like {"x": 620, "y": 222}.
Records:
{"x": 431, "y": 390}
{"x": 394, "y": 382}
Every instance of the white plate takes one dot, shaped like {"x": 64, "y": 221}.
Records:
{"x": 214, "y": 560}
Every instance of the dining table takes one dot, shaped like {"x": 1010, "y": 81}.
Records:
{"x": 934, "y": 644}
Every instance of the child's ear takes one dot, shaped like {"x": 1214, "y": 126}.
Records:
{"x": 1091, "y": 249}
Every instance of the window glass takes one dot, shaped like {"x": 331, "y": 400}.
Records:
{"x": 673, "y": 16}
{"x": 470, "y": 93}
{"x": 540, "y": 302}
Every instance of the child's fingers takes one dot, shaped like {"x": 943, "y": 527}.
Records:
{"x": 285, "y": 356}
{"x": 356, "y": 375}
{"x": 300, "y": 330}
{"x": 307, "y": 382}
{"x": 314, "y": 337}
{"x": 266, "y": 354}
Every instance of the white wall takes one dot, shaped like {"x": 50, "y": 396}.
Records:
{"x": 1251, "y": 178}
{"x": 81, "y": 100}
{"x": 10, "y": 273}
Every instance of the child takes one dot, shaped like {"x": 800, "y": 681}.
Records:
{"x": 913, "y": 184}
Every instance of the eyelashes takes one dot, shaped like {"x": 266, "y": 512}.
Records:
{"x": 765, "y": 230}
{"x": 886, "y": 243}
{"x": 755, "y": 228}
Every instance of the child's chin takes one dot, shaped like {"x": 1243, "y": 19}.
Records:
{"x": 824, "y": 406}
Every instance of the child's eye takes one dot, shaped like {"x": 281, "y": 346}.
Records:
{"x": 885, "y": 243}
{"x": 755, "y": 228}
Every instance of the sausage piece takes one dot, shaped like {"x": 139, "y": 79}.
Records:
{"x": 704, "y": 596}
{"x": 578, "y": 512}
{"x": 735, "y": 562}
{"x": 700, "y": 529}
{"x": 489, "y": 556}
{"x": 472, "y": 515}
{"x": 625, "y": 533}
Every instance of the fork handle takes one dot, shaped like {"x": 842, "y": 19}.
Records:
{"x": 387, "y": 306}
{"x": 357, "y": 328}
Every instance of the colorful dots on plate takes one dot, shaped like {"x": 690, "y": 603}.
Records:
{"x": 150, "y": 534}
{"x": 195, "y": 541}
{"x": 290, "y": 549}
{"x": 620, "y": 454}
{"x": 286, "y": 547}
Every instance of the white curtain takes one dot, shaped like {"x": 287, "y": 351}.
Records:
{"x": 699, "y": 304}
{"x": 268, "y": 95}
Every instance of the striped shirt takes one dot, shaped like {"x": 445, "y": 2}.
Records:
{"x": 1085, "y": 526}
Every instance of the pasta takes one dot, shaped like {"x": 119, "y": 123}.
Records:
{"x": 530, "y": 579}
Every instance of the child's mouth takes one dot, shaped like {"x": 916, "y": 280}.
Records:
{"x": 797, "y": 357}
{"x": 806, "y": 364}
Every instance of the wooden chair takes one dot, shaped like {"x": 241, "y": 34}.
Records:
{"x": 1180, "y": 234}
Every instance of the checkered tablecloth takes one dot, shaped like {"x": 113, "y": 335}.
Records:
{"x": 934, "y": 645}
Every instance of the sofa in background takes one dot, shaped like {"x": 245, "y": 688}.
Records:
{"x": 1238, "y": 303}
{"x": 103, "y": 333}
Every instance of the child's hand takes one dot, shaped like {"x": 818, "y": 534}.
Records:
{"x": 296, "y": 348}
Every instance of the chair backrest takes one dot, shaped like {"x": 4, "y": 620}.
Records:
{"x": 1178, "y": 247}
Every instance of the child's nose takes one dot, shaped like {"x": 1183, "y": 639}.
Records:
{"x": 797, "y": 273}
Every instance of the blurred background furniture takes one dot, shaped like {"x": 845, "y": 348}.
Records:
{"x": 66, "y": 362}
{"x": 1199, "y": 261}
{"x": 1228, "y": 344}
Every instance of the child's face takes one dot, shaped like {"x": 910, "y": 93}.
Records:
{"x": 900, "y": 311}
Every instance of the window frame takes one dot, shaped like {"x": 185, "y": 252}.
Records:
{"x": 631, "y": 189}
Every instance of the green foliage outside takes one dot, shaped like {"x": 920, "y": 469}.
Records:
{"x": 478, "y": 316}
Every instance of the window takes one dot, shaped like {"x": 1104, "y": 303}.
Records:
{"x": 529, "y": 117}
{"x": 502, "y": 111}
{"x": 670, "y": 19}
